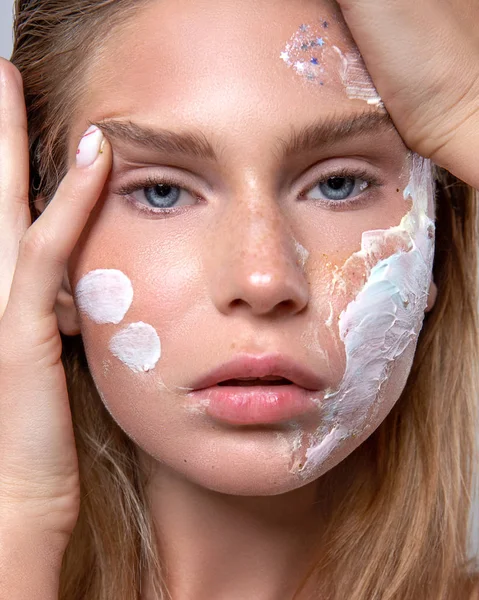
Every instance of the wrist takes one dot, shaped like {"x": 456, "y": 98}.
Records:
{"x": 18, "y": 542}
{"x": 30, "y": 565}
{"x": 459, "y": 155}
{"x": 448, "y": 133}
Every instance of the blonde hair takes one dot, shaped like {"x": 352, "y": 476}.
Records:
{"x": 401, "y": 530}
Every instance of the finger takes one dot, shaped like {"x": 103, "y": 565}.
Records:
{"x": 14, "y": 174}
{"x": 49, "y": 242}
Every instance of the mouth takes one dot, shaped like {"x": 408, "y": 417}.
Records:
{"x": 260, "y": 370}
{"x": 255, "y": 381}
{"x": 255, "y": 401}
{"x": 258, "y": 390}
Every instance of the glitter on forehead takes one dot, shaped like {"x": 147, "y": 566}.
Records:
{"x": 310, "y": 49}
{"x": 304, "y": 51}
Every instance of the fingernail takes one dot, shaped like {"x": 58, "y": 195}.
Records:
{"x": 90, "y": 147}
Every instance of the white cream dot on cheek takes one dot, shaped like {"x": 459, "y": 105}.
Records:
{"x": 104, "y": 295}
{"x": 137, "y": 346}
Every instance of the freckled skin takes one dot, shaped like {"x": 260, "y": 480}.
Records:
{"x": 193, "y": 273}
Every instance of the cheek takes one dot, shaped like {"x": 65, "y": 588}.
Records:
{"x": 163, "y": 269}
{"x": 133, "y": 291}
{"x": 382, "y": 293}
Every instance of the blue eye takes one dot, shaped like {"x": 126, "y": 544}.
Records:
{"x": 339, "y": 188}
{"x": 157, "y": 196}
{"x": 162, "y": 195}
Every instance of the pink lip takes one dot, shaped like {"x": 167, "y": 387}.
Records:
{"x": 257, "y": 404}
{"x": 251, "y": 365}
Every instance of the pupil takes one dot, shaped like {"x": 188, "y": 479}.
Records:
{"x": 338, "y": 188}
{"x": 162, "y": 189}
{"x": 336, "y": 183}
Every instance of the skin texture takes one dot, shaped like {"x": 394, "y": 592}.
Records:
{"x": 194, "y": 273}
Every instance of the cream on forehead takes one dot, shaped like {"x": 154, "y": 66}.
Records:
{"x": 312, "y": 55}
{"x": 382, "y": 321}
{"x": 104, "y": 295}
{"x": 356, "y": 78}
{"x": 137, "y": 346}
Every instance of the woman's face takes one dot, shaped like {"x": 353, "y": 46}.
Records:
{"x": 235, "y": 228}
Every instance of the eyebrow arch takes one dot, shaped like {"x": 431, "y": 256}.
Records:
{"x": 333, "y": 130}
{"x": 196, "y": 145}
{"x": 161, "y": 140}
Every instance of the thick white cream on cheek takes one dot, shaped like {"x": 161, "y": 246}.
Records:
{"x": 378, "y": 326}
{"x": 105, "y": 296}
{"x": 137, "y": 346}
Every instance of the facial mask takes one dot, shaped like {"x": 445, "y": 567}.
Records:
{"x": 378, "y": 326}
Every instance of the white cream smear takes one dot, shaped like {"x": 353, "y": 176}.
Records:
{"x": 137, "y": 346}
{"x": 302, "y": 253}
{"x": 104, "y": 295}
{"x": 356, "y": 79}
{"x": 378, "y": 326}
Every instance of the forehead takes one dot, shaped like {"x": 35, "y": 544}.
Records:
{"x": 222, "y": 61}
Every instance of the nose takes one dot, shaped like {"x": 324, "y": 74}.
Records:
{"x": 256, "y": 266}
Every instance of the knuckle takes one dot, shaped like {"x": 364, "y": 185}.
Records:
{"x": 34, "y": 243}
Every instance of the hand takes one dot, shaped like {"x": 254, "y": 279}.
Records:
{"x": 39, "y": 480}
{"x": 423, "y": 56}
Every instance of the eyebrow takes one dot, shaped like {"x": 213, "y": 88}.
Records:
{"x": 195, "y": 144}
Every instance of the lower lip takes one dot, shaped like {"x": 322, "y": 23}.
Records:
{"x": 255, "y": 405}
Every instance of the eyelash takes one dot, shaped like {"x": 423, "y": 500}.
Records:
{"x": 345, "y": 172}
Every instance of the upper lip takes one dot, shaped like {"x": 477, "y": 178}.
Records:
{"x": 249, "y": 365}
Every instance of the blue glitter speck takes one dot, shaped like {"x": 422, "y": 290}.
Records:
{"x": 314, "y": 61}
{"x": 319, "y": 42}
{"x": 303, "y": 27}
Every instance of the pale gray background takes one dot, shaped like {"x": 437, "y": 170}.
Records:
{"x": 5, "y": 28}
{"x": 5, "y": 51}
